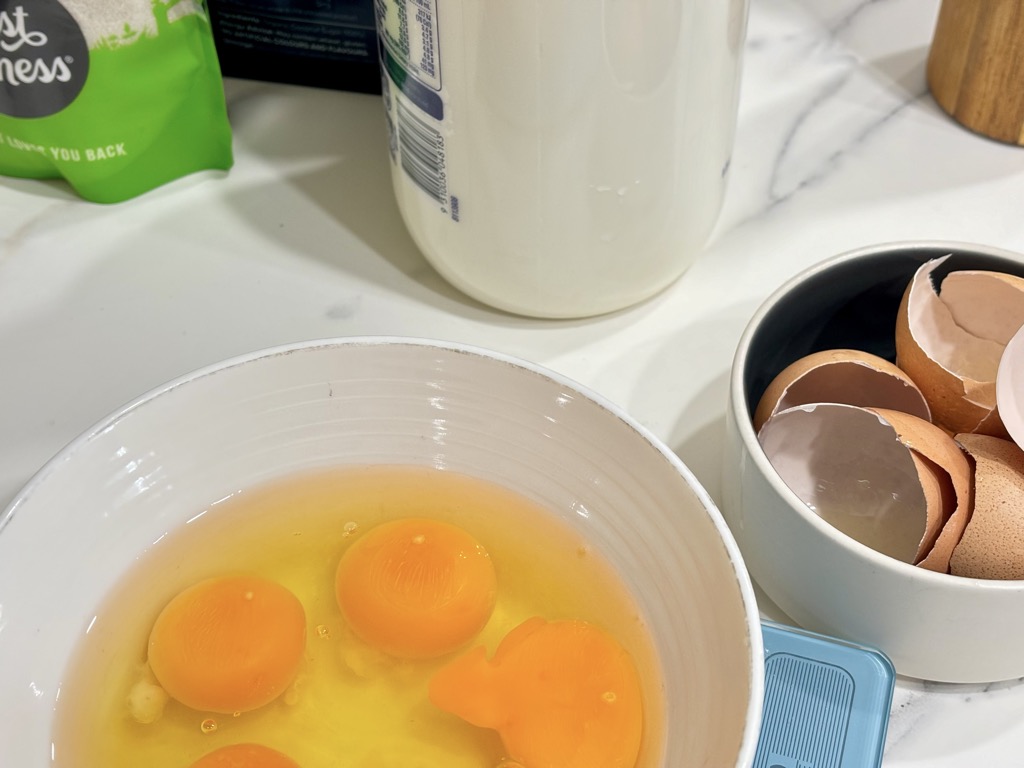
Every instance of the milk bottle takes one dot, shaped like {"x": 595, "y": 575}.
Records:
{"x": 560, "y": 158}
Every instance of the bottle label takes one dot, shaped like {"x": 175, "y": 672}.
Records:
{"x": 411, "y": 62}
{"x": 408, "y": 30}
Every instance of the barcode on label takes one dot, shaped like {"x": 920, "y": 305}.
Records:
{"x": 421, "y": 147}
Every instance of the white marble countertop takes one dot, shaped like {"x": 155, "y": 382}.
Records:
{"x": 839, "y": 146}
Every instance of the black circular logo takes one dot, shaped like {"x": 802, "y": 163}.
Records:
{"x": 44, "y": 58}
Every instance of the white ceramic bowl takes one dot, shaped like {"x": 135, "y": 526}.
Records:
{"x": 933, "y": 626}
{"x": 104, "y": 500}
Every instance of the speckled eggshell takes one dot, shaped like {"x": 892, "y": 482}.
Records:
{"x": 949, "y": 342}
{"x": 992, "y": 546}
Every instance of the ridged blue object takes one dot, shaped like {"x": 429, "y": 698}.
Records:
{"x": 826, "y": 702}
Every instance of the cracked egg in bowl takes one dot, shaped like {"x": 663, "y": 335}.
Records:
{"x": 373, "y": 552}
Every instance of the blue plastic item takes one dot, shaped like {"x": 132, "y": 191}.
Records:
{"x": 826, "y": 702}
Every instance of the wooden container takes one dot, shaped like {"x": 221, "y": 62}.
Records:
{"x": 976, "y": 66}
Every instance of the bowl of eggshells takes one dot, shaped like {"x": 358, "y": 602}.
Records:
{"x": 874, "y": 475}
{"x": 373, "y": 552}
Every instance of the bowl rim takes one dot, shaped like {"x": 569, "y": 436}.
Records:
{"x": 745, "y": 428}
{"x": 754, "y": 708}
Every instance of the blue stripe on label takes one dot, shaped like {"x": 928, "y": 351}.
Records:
{"x": 423, "y": 97}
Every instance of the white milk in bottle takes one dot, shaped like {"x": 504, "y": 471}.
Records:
{"x": 560, "y": 158}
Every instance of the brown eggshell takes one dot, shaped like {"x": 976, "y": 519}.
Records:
{"x": 882, "y": 477}
{"x": 939, "y": 501}
{"x": 847, "y": 376}
{"x": 850, "y": 468}
{"x": 948, "y": 484}
{"x": 967, "y": 292}
{"x": 949, "y": 342}
{"x": 992, "y": 546}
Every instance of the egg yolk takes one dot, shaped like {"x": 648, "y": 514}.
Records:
{"x": 416, "y": 588}
{"x": 561, "y": 694}
{"x": 228, "y": 644}
{"x": 244, "y": 756}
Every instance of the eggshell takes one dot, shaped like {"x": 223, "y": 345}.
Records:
{"x": 988, "y": 305}
{"x": 947, "y": 491}
{"x": 888, "y": 479}
{"x": 848, "y": 376}
{"x": 949, "y": 342}
{"x": 938, "y": 496}
{"x": 992, "y": 546}
{"x": 1010, "y": 388}
{"x": 849, "y": 466}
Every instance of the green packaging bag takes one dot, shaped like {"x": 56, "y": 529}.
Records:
{"x": 115, "y": 96}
